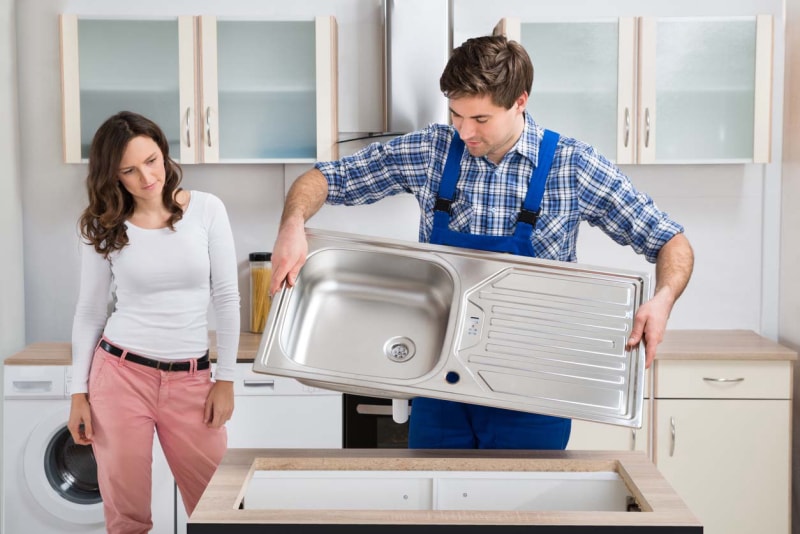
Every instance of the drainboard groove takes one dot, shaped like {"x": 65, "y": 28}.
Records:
{"x": 567, "y": 302}
{"x": 533, "y": 326}
{"x": 596, "y": 379}
{"x": 533, "y": 312}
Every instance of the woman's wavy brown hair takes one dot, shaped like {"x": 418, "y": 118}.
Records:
{"x": 489, "y": 65}
{"x": 102, "y": 223}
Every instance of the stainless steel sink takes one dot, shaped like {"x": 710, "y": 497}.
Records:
{"x": 399, "y": 320}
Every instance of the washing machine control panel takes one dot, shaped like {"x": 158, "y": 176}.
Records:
{"x": 36, "y": 382}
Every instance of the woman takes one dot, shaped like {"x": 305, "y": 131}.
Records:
{"x": 164, "y": 253}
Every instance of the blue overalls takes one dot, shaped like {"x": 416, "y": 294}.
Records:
{"x": 440, "y": 424}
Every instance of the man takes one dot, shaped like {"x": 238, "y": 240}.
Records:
{"x": 495, "y": 180}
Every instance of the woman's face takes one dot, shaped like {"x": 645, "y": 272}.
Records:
{"x": 141, "y": 169}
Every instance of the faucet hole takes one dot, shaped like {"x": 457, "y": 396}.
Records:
{"x": 452, "y": 377}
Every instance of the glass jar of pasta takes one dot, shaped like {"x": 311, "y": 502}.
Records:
{"x": 260, "y": 276}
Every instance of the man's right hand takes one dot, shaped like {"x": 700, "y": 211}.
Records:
{"x": 303, "y": 200}
{"x": 80, "y": 420}
{"x": 288, "y": 254}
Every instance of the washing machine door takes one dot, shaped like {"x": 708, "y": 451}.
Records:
{"x": 61, "y": 475}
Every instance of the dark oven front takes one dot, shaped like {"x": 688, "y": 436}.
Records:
{"x": 368, "y": 424}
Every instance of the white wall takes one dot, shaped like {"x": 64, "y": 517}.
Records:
{"x": 722, "y": 207}
{"x": 12, "y": 320}
{"x": 12, "y": 300}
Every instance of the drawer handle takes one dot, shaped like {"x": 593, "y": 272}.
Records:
{"x": 718, "y": 380}
{"x": 33, "y": 386}
{"x": 259, "y": 384}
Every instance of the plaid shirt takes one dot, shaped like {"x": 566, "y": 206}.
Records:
{"x": 582, "y": 186}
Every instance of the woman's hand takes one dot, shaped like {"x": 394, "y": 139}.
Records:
{"x": 219, "y": 404}
{"x": 80, "y": 419}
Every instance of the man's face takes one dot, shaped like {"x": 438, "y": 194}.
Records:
{"x": 487, "y": 129}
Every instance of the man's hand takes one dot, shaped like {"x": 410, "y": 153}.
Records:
{"x": 304, "y": 199}
{"x": 673, "y": 270}
{"x": 219, "y": 404}
{"x": 288, "y": 254}
{"x": 650, "y": 324}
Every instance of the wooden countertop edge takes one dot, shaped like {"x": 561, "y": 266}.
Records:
{"x": 220, "y": 502}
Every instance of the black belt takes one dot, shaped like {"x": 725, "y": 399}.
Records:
{"x": 202, "y": 363}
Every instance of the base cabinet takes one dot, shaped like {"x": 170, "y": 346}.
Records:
{"x": 723, "y": 440}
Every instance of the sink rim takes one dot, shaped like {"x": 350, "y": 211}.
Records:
{"x": 273, "y": 336}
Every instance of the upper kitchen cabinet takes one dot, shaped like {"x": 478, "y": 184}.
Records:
{"x": 655, "y": 90}
{"x": 583, "y": 81}
{"x": 224, "y": 91}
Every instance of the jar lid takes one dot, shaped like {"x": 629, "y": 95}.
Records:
{"x": 260, "y": 256}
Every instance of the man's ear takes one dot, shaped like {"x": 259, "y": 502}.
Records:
{"x": 522, "y": 101}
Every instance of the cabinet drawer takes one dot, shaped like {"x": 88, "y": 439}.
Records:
{"x": 687, "y": 379}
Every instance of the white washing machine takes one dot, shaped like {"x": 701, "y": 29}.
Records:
{"x": 49, "y": 483}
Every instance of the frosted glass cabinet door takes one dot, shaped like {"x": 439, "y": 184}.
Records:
{"x": 583, "y": 84}
{"x": 114, "y": 65}
{"x": 705, "y": 89}
{"x": 575, "y": 79}
{"x": 267, "y": 89}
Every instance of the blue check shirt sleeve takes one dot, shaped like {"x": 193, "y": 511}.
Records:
{"x": 609, "y": 201}
{"x": 403, "y": 165}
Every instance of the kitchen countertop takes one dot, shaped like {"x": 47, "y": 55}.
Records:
{"x": 219, "y": 508}
{"x": 677, "y": 345}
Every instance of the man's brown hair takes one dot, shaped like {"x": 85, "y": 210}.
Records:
{"x": 490, "y": 65}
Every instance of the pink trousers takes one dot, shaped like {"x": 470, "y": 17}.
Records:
{"x": 130, "y": 401}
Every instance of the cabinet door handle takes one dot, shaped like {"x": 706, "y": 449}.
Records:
{"x": 633, "y": 439}
{"x": 673, "y": 432}
{"x": 208, "y": 125}
{"x": 709, "y": 379}
{"x": 188, "y": 131}
{"x": 646, "y": 127}
{"x": 627, "y": 126}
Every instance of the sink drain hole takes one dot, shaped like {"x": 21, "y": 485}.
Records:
{"x": 399, "y": 349}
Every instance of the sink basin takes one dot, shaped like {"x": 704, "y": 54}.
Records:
{"x": 399, "y": 320}
{"x": 368, "y": 314}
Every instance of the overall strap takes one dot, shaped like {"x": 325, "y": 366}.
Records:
{"x": 531, "y": 207}
{"x": 447, "y": 186}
